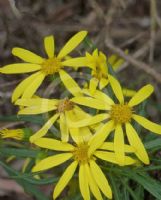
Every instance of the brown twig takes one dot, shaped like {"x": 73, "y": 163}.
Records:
{"x": 138, "y": 64}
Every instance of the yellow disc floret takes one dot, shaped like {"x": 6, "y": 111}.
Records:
{"x": 121, "y": 113}
{"x": 81, "y": 153}
{"x": 65, "y": 105}
{"x": 51, "y": 66}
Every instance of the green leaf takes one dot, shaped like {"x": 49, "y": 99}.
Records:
{"x": 31, "y": 189}
{"x": 149, "y": 184}
{"x": 23, "y": 153}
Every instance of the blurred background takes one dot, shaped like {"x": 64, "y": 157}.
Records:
{"x": 113, "y": 26}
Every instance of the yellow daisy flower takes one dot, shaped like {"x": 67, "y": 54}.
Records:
{"x": 91, "y": 177}
{"x": 121, "y": 114}
{"x": 41, "y": 66}
{"x": 17, "y": 134}
{"x": 98, "y": 62}
{"x": 66, "y": 111}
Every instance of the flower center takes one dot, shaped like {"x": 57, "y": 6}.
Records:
{"x": 51, "y": 66}
{"x": 121, "y": 113}
{"x": 65, "y": 105}
{"x": 81, "y": 153}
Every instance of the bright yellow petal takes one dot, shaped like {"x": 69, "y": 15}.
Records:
{"x": 20, "y": 68}
{"x": 49, "y": 46}
{"x": 85, "y": 133}
{"x": 37, "y": 102}
{"x": 51, "y": 161}
{"x": 31, "y": 89}
{"x": 111, "y": 157}
{"x": 65, "y": 178}
{"x": 70, "y": 83}
{"x": 34, "y": 110}
{"x": 119, "y": 145}
{"x": 136, "y": 143}
{"x": 75, "y": 62}
{"x": 64, "y": 128}
{"x": 147, "y": 124}
{"x": 23, "y": 85}
{"x": 89, "y": 120}
{"x": 44, "y": 129}
{"x": 103, "y": 82}
{"x": 128, "y": 92}
{"x": 76, "y": 136}
{"x": 107, "y": 156}
{"x": 93, "y": 85}
{"x": 100, "y": 96}
{"x": 116, "y": 87}
{"x": 109, "y": 146}
{"x": 53, "y": 144}
{"x": 92, "y": 184}
{"x": 83, "y": 183}
{"x": 100, "y": 179}
{"x": 72, "y": 43}
{"x": 26, "y": 55}
{"x": 141, "y": 95}
{"x": 91, "y": 102}
{"x": 100, "y": 136}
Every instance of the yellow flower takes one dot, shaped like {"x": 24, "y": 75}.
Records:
{"x": 66, "y": 111}
{"x": 17, "y": 134}
{"x": 91, "y": 177}
{"x": 98, "y": 62}
{"x": 121, "y": 115}
{"x": 41, "y": 66}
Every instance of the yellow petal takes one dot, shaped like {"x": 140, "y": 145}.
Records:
{"x": 100, "y": 95}
{"x": 109, "y": 146}
{"x": 20, "y": 68}
{"x": 49, "y": 46}
{"x": 53, "y": 144}
{"x": 64, "y": 128}
{"x": 147, "y": 124}
{"x": 103, "y": 82}
{"x": 37, "y": 102}
{"x": 91, "y": 102}
{"x": 23, "y": 85}
{"x": 76, "y": 136}
{"x": 111, "y": 157}
{"x": 100, "y": 179}
{"x": 31, "y": 89}
{"x": 83, "y": 183}
{"x": 92, "y": 183}
{"x": 128, "y": 93}
{"x": 100, "y": 136}
{"x": 65, "y": 178}
{"x": 51, "y": 161}
{"x": 37, "y": 109}
{"x": 141, "y": 95}
{"x": 72, "y": 43}
{"x": 136, "y": 143}
{"x": 107, "y": 156}
{"x": 116, "y": 87}
{"x": 26, "y": 55}
{"x": 85, "y": 133}
{"x": 119, "y": 145}
{"x": 89, "y": 120}
{"x": 44, "y": 129}
{"x": 93, "y": 85}
{"x": 75, "y": 62}
{"x": 70, "y": 83}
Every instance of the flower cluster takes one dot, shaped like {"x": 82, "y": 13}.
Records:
{"x": 94, "y": 122}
